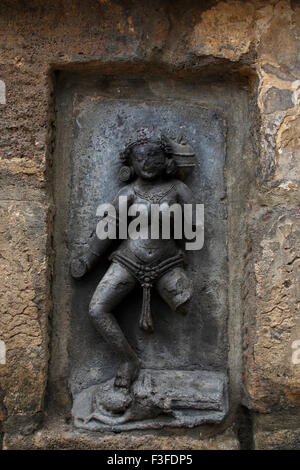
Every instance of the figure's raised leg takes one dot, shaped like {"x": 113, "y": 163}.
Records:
{"x": 176, "y": 289}
{"x": 114, "y": 286}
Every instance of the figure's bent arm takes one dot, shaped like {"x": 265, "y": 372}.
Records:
{"x": 185, "y": 196}
{"x": 84, "y": 263}
{"x": 96, "y": 247}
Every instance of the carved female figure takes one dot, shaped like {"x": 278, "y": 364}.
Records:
{"x": 151, "y": 262}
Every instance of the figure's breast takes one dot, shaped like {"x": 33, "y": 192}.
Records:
{"x": 153, "y": 248}
{"x": 151, "y": 216}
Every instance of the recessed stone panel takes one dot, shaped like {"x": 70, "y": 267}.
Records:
{"x": 100, "y": 127}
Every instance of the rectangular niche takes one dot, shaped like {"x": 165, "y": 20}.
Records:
{"x": 96, "y": 115}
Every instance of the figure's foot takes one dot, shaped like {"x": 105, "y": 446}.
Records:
{"x": 127, "y": 373}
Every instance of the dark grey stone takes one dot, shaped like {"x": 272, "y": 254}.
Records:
{"x": 277, "y": 100}
{"x": 174, "y": 398}
{"x": 101, "y": 130}
{"x": 93, "y": 124}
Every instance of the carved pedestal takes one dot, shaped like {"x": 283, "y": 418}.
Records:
{"x": 159, "y": 398}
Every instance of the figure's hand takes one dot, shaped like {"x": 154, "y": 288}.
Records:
{"x": 78, "y": 268}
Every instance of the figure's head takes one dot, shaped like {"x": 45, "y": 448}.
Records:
{"x": 147, "y": 159}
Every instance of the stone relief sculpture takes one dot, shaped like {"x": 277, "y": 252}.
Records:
{"x": 151, "y": 168}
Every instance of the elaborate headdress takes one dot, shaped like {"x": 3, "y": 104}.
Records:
{"x": 180, "y": 154}
{"x": 183, "y": 153}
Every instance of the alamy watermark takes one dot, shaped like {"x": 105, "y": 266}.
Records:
{"x": 160, "y": 221}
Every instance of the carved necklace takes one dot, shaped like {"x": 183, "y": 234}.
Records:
{"x": 154, "y": 198}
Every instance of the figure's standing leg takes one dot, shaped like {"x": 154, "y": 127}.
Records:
{"x": 176, "y": 289}
{"x": 114, "y": 286}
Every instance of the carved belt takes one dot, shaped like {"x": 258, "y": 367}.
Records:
{"x": 147, "y": 275}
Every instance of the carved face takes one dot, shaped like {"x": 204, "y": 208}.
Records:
{"x": 148, "y": 161}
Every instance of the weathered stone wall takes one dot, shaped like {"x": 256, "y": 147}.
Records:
{"x": 257, "y": 43}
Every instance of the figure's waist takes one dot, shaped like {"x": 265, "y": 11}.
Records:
{"x": 146, "y": 273}
{"x": 151, "y": 251}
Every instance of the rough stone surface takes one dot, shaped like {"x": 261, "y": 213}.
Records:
{"x": 120, "y": 106}
{"x": 284, "y": 439}
{"x": 253, "y": 43}
{"x": 62, "y": 437}
{"x": 276, "y": 431}
{"x": 101, "y": 130}
{"x": 158, "y": 399}
{"x": 272, "y": 378}
{"x": 23, "y": 302}
{"x": 277, "y": 100}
